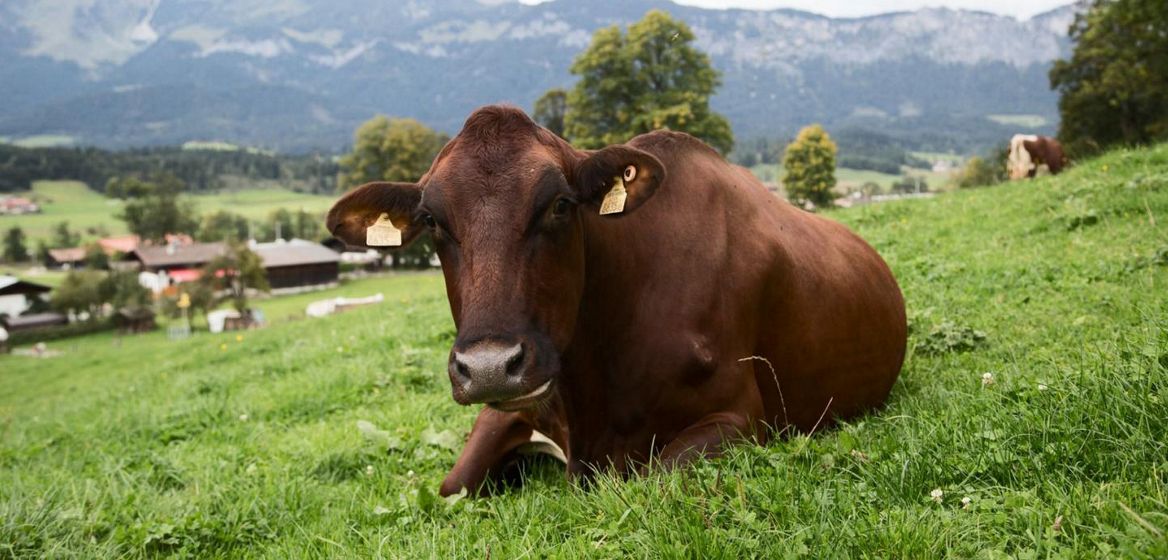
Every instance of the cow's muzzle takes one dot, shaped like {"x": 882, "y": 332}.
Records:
{"x": 496, "y": 373}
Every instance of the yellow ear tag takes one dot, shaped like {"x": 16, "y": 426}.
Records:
{"x": 383, "y": 234}
{"x": 614, "y": 201}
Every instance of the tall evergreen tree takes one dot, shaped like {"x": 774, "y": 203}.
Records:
{"x": 15, "y": 249}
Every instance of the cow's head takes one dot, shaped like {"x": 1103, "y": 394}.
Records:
{"x": 504, "y": 202}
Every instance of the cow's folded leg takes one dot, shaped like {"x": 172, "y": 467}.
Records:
{"x": 493, "y": 439}
{"x": 705, "y": 438}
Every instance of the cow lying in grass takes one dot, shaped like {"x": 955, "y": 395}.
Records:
{"x": 626, "y": 303}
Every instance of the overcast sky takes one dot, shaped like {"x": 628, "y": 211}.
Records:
{"x": 1021, "y": 9}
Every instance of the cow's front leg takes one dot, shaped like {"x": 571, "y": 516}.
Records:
{"x": 705, "y": 438}
{"x": 493, "y": 438}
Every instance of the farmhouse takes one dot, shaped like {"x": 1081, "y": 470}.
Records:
{"x": 176, "y": 260}
{"x": 66, "y": 258}
{"x": 119, "y": 244}
{"x": 74, "y": 257}
{"x": 16, "y": 205}
{"x": 298, "y": 264}
{"x": 165, "y": 265}
{"x": 290, "y": 265}
{"x": 17, "y": 296}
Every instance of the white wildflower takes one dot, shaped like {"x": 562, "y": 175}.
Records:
{"x": 987, "y": 379}
{"x": 936, "y": 495}
{"x": 368, "y": 470}
{"x": 243, "y": 417}
{"x": 965, "y": 502}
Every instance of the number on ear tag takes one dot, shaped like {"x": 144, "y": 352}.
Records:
{"x": 614, "y": 201}
{"x": 383, "y": 234}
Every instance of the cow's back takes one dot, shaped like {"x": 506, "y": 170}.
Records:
{"x": 709, "y": 273}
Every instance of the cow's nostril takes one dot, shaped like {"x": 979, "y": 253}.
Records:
{"x": 460, "y": 368}
{"x": 515, "y": 361}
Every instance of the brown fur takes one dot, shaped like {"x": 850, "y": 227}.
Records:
{"x": 1045, "y": 150}
{"x": 655, "y": 326}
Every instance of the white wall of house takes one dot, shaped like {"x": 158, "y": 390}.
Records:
{"x": 13, "y": 305}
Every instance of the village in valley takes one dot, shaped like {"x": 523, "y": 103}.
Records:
{"x": 290, "y": 266}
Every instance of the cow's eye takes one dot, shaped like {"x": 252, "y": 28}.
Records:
{"x": 428, "y": 219}
{"x": 561, "y": 207}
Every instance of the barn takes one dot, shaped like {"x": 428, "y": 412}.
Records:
{"x": 292, "y": 265}
{"x": 164, "y": 265}
{"x": 297, "y": 264}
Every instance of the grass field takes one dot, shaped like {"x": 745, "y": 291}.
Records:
{"x": 1024, "y": 121}
{"x": 845, "y": 177}
{"x": 85, "y": 209}
{"x": 852, "y": 179}
{"x": 1031, "y": 419}
{"x": 39, "y": 141}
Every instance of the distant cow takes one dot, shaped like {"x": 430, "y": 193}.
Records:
{"x": 1027, "y": 152}
{"x": 648, "y": 332}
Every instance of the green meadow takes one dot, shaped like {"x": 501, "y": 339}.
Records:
{"x": 1030, "y": 420}
{"x": 852, "y": 179}
{"x": 86, "y": 209}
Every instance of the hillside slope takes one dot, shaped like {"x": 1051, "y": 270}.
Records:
{"x": 1036, "y": 388}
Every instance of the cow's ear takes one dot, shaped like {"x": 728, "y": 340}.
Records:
{"x": 599, "y": 175}
{"x": 383, "y": 206}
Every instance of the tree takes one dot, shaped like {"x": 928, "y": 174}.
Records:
{"x": 285, "y": 224}
{"x": 200, "y": 294}
{"x": 909, "y": 184}
{"x": 982, "y": 172}
{"x": 95, "y": 257}
{"x": 650, "y": 78}
{"x": 233, "y": 274}
{"x": 1114, "y": 88}
{"x": 62, "y": 237}
{"x": 222, "y": 225}
{"x": 15, "y": 249}
{"x": 124, "y": 290}
{"x": 82, "y": 291}
{"x": 549, "y": 110}
{"x": 155, "y": 208}
{"x": 42, "y": 252}
{"x": 386, "y": 149}
{"x": 809, "y": 167}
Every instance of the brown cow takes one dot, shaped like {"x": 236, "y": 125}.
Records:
{"x": 639, "y": 335}
{"x": 1028, "y": 151}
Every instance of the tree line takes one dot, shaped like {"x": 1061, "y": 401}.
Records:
{"x": 200, "y": 170}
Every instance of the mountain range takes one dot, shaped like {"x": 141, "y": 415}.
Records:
{"x": 299, "y": 75}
